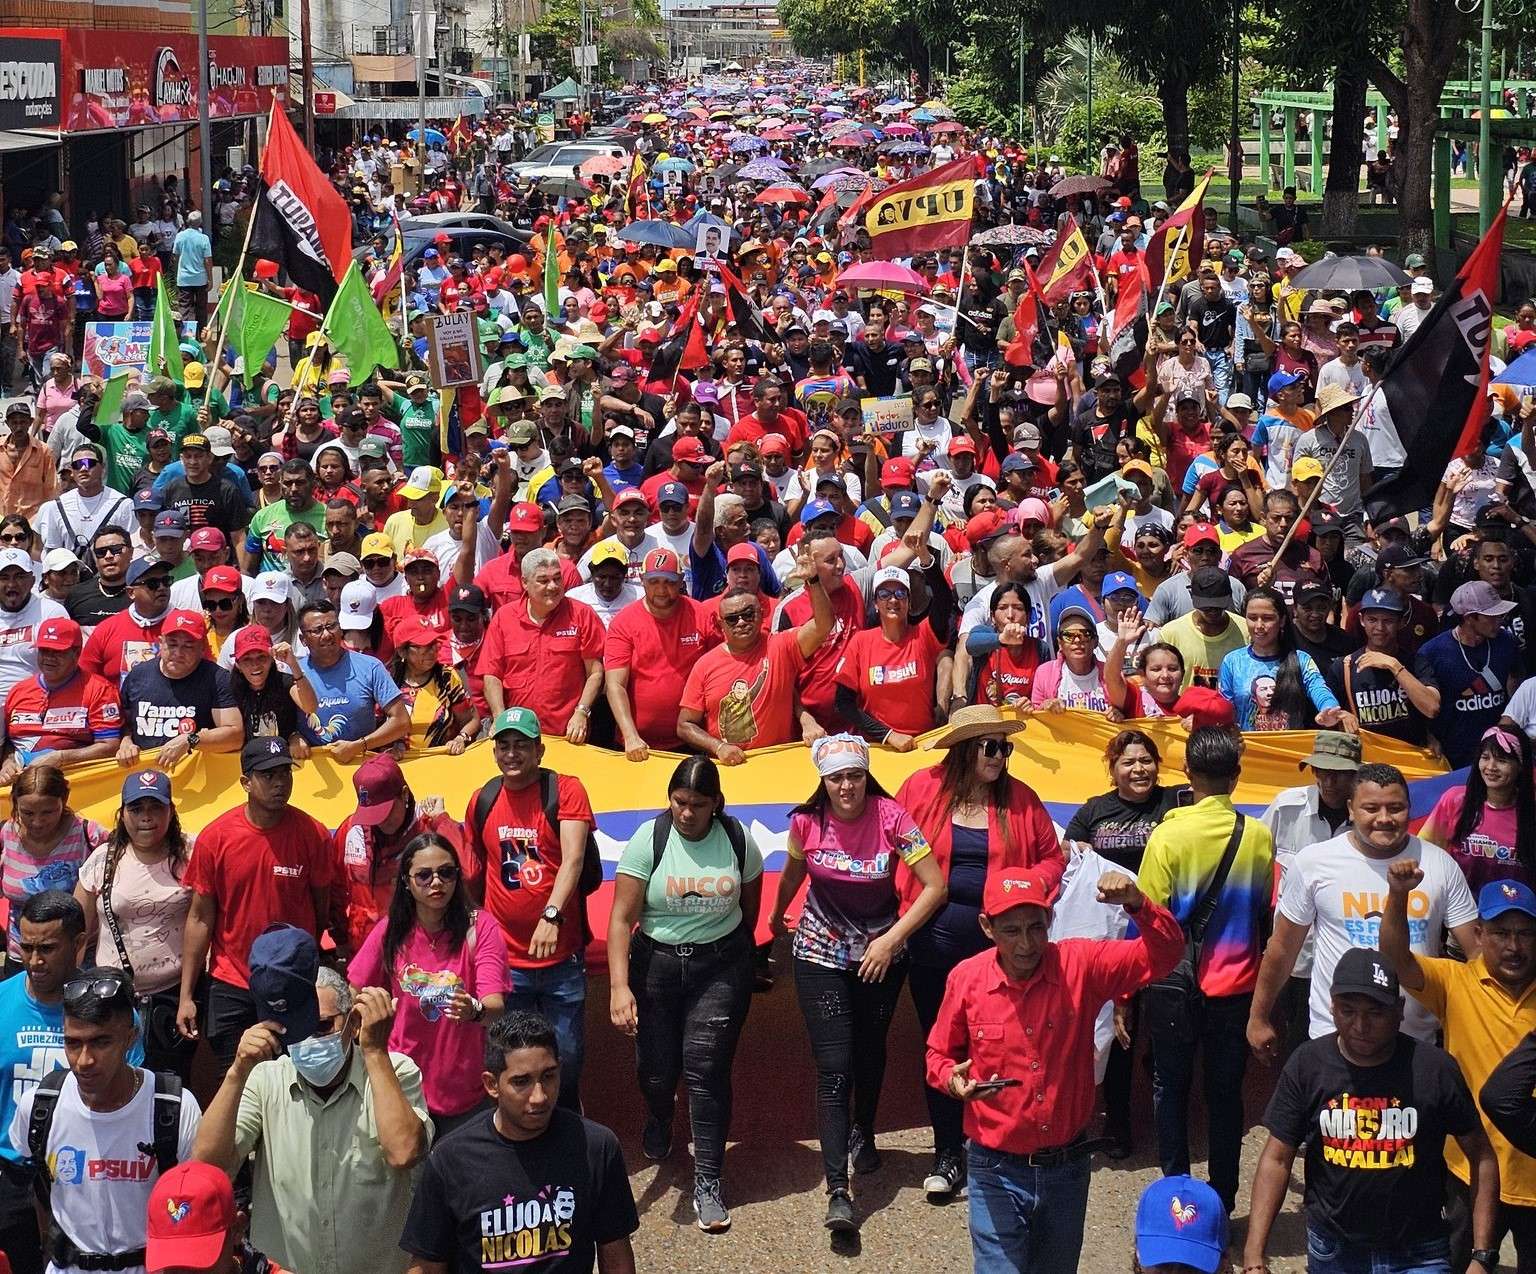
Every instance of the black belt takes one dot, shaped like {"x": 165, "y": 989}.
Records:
{"x": 63, "y": 1252}
{"x": 1058, "y": 1155}
{"x": 685, "y": 950}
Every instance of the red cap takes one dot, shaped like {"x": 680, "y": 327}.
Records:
{"x": 960, "y": 444}
{"x": 1201, "y": 533}
{"x": 58, "y": 634}
{"x": 206, "y": 539}
{"x": 418, "y": 554}
{"x": 898, "y": 472}
{"x": 743, "y": 553}
{"x": 661, "y": 563}
{"x": 379, "y": 783}
{"x": 628, "y": 495}
{"x": 985, "y": 526}
{"x": 189, "y": 622}
{"x": 1207, "y": 707}
{"x": 525, "y": 517}
{"x": 264, "y": 269}
{"x": 252, "y": 637}
{"x": 1019, "y": 887}
{"x": 221, "y": 579}
{"x": 689, "y": 450}
{"x": 415, "y": 631}
{"x": 598, "y": 313}
{"x": 191, "y": 1210}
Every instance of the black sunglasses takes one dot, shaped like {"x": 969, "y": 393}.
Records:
{"x": 219, "y": 603}
{"x": 424, "y": 876}
{"x": 996, "y": 747}
{"x": 108, "y": 988}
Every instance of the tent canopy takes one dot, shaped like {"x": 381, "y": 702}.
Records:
{"x": 565, "y": 91}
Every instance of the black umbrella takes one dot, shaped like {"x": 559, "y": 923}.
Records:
{"x": 1351, "y": 274}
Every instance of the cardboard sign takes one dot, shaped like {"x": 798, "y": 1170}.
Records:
{"x": 453, "y": 350}
{"x": 887, "y": 415}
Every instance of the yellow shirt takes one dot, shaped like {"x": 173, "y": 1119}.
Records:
{"x": 1231, "y": 540}
{"x": 1482, "y": 1022}
{"x": 405, "y": 532}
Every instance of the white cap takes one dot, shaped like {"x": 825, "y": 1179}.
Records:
{"x": 358, "y": 602}
{"x": 1423, "y": 286}
{"x": 892, "y": 575}
{"x": 823, "y": 316}
{"x": 1240, "y": 402}
{"x": 17, "y": 557}
{"x": 59, "y": 560}
{"x": 220, "y": 441}
{"x": 270, "y": 586}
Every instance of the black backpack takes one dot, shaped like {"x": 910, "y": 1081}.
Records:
{"x": 661, "y": 828}
{"x": 549, "y": 790}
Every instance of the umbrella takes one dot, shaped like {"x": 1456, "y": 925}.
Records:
{"x": 603, "y": 166}
{"x": 840, "y": 174}
{"x": 782, "y": 194}
{"x": 888, "y": 108}
{"x": 1351, "y": 274}
{"x": 434, "y": 138}
{"x": 747, "y": 143}
{"x": 840, "y": 126}
{"x": 1015, "y": 237}
{"x": 899, "y": 129}
{"x": 1081, "y": 184}
{"x": 907, "y": 148}
{"x": 947, "y": 126}
{"x": 674, "y": 165}
{"x": 660, "y": 234}
{"x": 653, "y": 118}
{"x": 923, "y": 117}
{"x": 883, "y": 274}
{"x": 845, "y": 183}
{"x": 565, "y": 188}
{"x": 776, "y": 135}
{"x": 1522, "y": 371}
{"x": 820, "y": 167}
{"x": 760, "y": 170}
{"x": 709, "y": 219}
{"x": 849, "y": 140}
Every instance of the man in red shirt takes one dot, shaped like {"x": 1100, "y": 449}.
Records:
{"x": 662, "y": 636}
{"x": 1028, "y": 1165}
{"x": 501, "y": 580}
{"x": 545, "y": 648}
{"x": 61, "y": 712}
{"x": 261, "y": 863}
{"x": 122, "y": 641}
{"x": 424, "y": 597}
{"x": 743, "y": 694}
{"x": 689, "y": 460}
{"x": 771, "y": 416}
{"x": 532, "y": 877}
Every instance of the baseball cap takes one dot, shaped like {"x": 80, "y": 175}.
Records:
{"x": 191, "y": 1210}
{"x": 155, "y": 784}
{"x": 982, "y": 528}
{"x": 1209, "y": 589}
{"x": 961, "y": 444}
{"x": 520, "y": 434}
{"x": 358, "y": 603}
{"x": 1284, "y": 380}
{"x": 148, "y": 502}
{"x": 1118, "y": 582}
{"x": 898, "y": 472}
{"x": 1422, "y": 286}
{"x": 1414, "y": 261}
{"x": 252, "y": 638}
{"x": 742, "y": 553}
{"x": 206, "y": 539}
{"x": 22, "y": 562}
{"x": 523, "y": 720}
{"x": 1400, "y": 557}
{"x": 609, "y": 551}
{"x": 467, "y": 597}
{"x": 1014, "y": 462}
{"x": 424, "y": 480}
{"x": 816, "y": 509}
{"x": 661, "y": 564}
{"x": 1239, "y": 402}
{"x": 58, "y": 634}
{"x": 1200, "y": 533}
{"x": 191, "y": 623}
{"x": 1181, "y": 1221}
{"x": 525, "y": 516}
{"x": 265, "y": 754}
{"x": 1332, "y": 750}
{"x": 689, "y": 450}
{"x": 1019, "y": 887}
{"x": 1499, "y": 896}
{"x": 137, "y": 569}
{"x": 379, "y": 782}
{"x": 631, "y": 495}
{"x": 198, "y": 441}
{"x": 572, "y": 504}
{"x": 343, "y": 564}
{"x": 284, "y": 959}
{"x": 1206, "y": 706}
{"x": 1026, "y": 436}
{"x": 1384, "y": 599}
{"x": 60, "y": 559}
{"x": 892, "y": 575}
{"x": 907, "y": 504}
{"x": 1306, "y": 468}
{"x": 170, "y": 522}
{"x": 1361, "y": 971}
{"x": 671, "y": 493}
{"x": 1477, "y": 598}
{"x": 271, "y": 586}
{"x": 220, "y": 441}
{"x": 377, "y": 544}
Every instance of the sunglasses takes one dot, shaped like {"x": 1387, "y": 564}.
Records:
{"x": 890, "y": 594}
{"x": 79, "y": 993}
{"x": 740, "y": 617}
{"x": 424, "y": 876}
{"x": 156, "y": 583}
{"x": 84, "y": 463}
{"x": 219, "y": 603}
{"x": 996, "y": 747}
{"x": 14, "y": 537}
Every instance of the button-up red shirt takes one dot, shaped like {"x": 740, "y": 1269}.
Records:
{"x": 1040, "y": 1030}
{"x": 543, "y": 665}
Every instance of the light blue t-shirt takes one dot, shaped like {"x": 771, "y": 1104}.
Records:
{"x": 353, "y": 693}
{"x": 192, "y": 252}
{"x": 1248, "y": 681}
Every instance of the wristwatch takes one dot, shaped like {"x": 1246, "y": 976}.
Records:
{"x": 552, "y": 914}
{"x": 479, "y": 1008}
{"x": 192, "y": 740}
{"x": 1487, "y": 1257}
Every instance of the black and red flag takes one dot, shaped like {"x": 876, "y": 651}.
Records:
{"x": 302, "y": 221}
{"x": 1436, "y": 390}
{"x": 747, "y": 317}
{"x": 1126, "y": 337}
{"x": 684, "y": 350}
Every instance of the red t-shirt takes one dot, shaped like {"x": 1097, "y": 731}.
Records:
{"x": 753, "y": 692}
{"x": 818, "y": 681}
{"x": 659, "y": 653}
{"x": 1007, "y": 675}
{"x": 119, "y": 644}
{"x": 258, "y": 876}
{"x": 792, "y": 424}
{"x": 84, "y": 710}
{"x": 520, "y": 855}
{"x": 144, "y": 272}
{"x": 542, "y": 666}
{"x": 652, "y": 485}
{"x": 405, "y": 607}
{"x": 851, "y": 531}
{"x": 893, "y": 680}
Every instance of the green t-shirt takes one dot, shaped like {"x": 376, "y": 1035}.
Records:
{"x": 179, "y": 421}
{"x": 127, "y": 453}
{"x": 695, "y": 895}
{"x": 269, "y": 524}
{"x": 418, "y": 429}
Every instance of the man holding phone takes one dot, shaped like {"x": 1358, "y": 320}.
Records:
{"x": 1014, "y": 1041}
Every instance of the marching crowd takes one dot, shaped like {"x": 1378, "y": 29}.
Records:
{"x": 666, "y": 519}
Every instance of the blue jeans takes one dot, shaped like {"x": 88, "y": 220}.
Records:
{"x": 1025, "y": 1220}
{"x": 1327, "y": 1255}
{"x": 559, "y": 993}
{"x": 1221, "y": 372}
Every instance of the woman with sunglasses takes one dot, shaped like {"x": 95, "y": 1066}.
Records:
{"x": 447, "y": 965}
{"x": 1489, "y": 825}
{"x": 680, "y": 978}
{"x": 43, "y": 843}
{"x": 979, "y": 820}
{"x": 1186, "y": 372}
{"x": 16, "y": 533}
{"x": 269, "y": 479}
{"x": 136, "y": 906}
{"x": 1077, "y": 677}
{"x": 222, "y": 594}
{"x": 849, "y": 945}
{"x": 272, "y": 702}
{"x": 442, "y": 713}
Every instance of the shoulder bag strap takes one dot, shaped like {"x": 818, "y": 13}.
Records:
{"x": 1200, "y": 917}
{"x": 108, "y": 875}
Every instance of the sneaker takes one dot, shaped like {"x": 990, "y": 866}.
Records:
{"x": 840, "y": 1218}
{"x": 862, "y": 1151}
{"x": 656, "y": 1139}
{"x": 946, "y": 1177}
{"x": 708, "y": 1207}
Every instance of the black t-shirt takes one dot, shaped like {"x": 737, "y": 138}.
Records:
{"x": 1375, "y": 1137}
{"x": 156, "y": 709}
{"x": 487, "y": 1203}
{"x": 1094, "y": 438}
{"x": 217, "y": 502}
{"x": 1118, "y": 829}
{"x": 88, "y": 605}
{"x": 1217, "y": 321}
{"x": 1378, "y": 700}
{"x": 1335, "y": 643}
{"x": 881, "y": 368}
{"x": 268, "y": 713}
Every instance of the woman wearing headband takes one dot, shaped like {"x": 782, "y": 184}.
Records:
{"x": 1489, "y": 826}
{"x": 848, "y": 948}
{"x": 978, "y": 820}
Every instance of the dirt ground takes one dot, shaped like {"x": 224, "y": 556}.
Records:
{"x": 773, "y": 1180}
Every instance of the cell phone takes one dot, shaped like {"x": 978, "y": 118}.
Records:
{"x": 1186, "y": 796}
{"x": 986, "y": 1086}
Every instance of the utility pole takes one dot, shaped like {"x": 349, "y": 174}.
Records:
{"x": 306, "y": 75}
{"x": 1088, "y": 122}
{"x": 1021, "y": 81}
{"x": 1489, "y": 170}
{"x": 421, "y": 91}
{"x": 1236, "y": 158}
{"x": 204, "y": 142}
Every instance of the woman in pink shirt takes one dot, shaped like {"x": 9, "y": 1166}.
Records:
{"x": 58, "y": 392}
{"x": 447, "y": 965}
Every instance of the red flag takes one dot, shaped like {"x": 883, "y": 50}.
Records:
{"x": 1065, "y": 267}
{"x": 1127, "y": 334}
{"x": 932, "y": 210}
{"x": 459, "y": 134}
{"x": 684, "y": 350}
{"x": 828, "y": 202}
{"x": 1026, "y": 324}
{"x": 860, "y": 202}
{"x": 744, "y": 312}
{"x": 302, "y": 221}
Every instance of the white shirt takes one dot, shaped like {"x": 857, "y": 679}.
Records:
{"x": 446, "y": 549}
{"x": 650, "y": 539}
{"x": 1408, "y": 317}
{"x": 1387, "y": 450}
{"x": 85, "y": 517}
{"x": 1153, "y": 517}
{"x": 937, "y": 432}
{"x": 18, "y": 640}
{"x": 607, "y": 610}
{"x": 1341, "y": 894}
{"x": 102, "y": 1175}
{"x": 187, "y": 594}
{"x": 1078, "y": 913}
{"x": 1294, "y": 822}
{"x": 1349, "y": 376}
{"x": 1039, "y": 590}
{"x": 1521, "y": 708}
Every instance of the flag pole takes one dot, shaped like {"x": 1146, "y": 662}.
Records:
{"x": 1333, "y": 460}
{"x": 1178, "y": 246}
{"x": 237, "y": 279}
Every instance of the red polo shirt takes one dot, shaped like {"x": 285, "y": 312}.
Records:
{"x": 397, "y": 610}
{"x": 792, "y": 424}
{"x": 1041, "y": 1030}
{"x": 659, "y": 653}
{"x": 542, "y": 665}
{"x": 501, "y": 580}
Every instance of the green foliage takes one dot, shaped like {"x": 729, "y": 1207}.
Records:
{"x": 977, "y": 102}
{"x": 1210, "y": 105}
{"x": 1135, "y": 113}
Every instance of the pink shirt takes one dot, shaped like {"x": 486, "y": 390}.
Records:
{"x": 52, "y": 402}
{"x": 427, "y": 973}
{"x": 1488, "y": 853}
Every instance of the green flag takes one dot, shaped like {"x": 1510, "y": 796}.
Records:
{"x": 164, "y": 337}
{"x": 354, "y": 328}
{"x": 551, "y": 274}
{"x": 110, "y": 410}
{"x": 255, "y": 325}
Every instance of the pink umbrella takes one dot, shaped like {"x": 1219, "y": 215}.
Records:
{"x": 947, "y": 126}
{"x": 900, "y": 130}
{"x": 850, "y": 140}
{"x": 883, "y": 274}
{"x": 783, "y": 194}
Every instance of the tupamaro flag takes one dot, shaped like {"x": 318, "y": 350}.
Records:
{"x": 747, "y": 317}
{"x": 1436, "y": 390}
{"x": 930, "y": 211}
{"x": 302, "y": 221}
{"x": 1178, "y": 243}
{"x": 1126, "y": 334}
{"x": 684, "y": 349}
{"x": 1065, "y": 267}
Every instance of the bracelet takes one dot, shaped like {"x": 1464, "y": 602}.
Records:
{"x": 582, "y": 708}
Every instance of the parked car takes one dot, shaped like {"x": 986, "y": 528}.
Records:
{"x": 436, "y": 221}
{"x": 561, "y": 159}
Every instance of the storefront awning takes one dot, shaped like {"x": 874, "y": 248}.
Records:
{"x": 23, "y": 139}
{"x": 407, "y": 108}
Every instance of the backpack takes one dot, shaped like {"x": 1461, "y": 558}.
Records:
{"x": 549, "y": 790}
{"x": 661, "y": 828}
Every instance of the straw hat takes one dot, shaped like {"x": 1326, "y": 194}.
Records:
{"x": 1332, "y": 397}
{"x": 976, "y": 721}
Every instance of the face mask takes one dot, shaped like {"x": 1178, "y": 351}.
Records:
{"x": 318, "y": 1060}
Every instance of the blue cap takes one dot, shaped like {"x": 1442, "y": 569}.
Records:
{"x": 905, "y": 504}
{"x": 816, "y": 509}
{"x": 671, "y": 493}
{"x": 1118, "y": 581}
{"x": 1284, "y": 380}
{"x": 171, "y": 522}
{"x": 1384, "y": 599}
{"x": 1013, "y": 462}
{"x": 283, "y": 962}
{"x": 1181, "y": 1221}
{"x": 148, "y": 501}
{"x": 152, "y": 784}
{"x": 142, "y": 566}
{"x": 1499, "y": 896}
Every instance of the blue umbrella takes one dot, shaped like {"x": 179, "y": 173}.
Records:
{"x": 673, "y": 165}
{"x": 907, "y": 148}
{"x": 924, "y": 117}
{"x": 660, "y": 234}
{"x": 1520, "y": 372}
{"x": 748, "y": 143}
{"x": 709, "y": 219}
{"x": 434, "y": 138}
